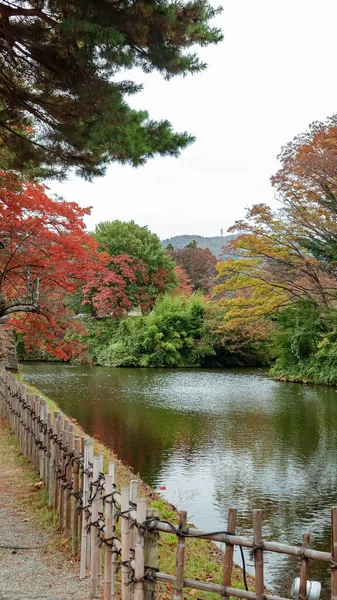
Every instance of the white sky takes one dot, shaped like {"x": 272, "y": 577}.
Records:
{"x": 274, "y": 73}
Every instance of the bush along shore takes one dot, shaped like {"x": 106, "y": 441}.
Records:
{"x": 204, "y": 560}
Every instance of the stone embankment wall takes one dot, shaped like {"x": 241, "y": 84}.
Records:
{"x": 8, "y": 356}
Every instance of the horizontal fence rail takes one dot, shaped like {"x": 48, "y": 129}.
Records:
{"x": 114, "y": 532}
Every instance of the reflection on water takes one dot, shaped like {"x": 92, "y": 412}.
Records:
{"x": 216, "y": 439}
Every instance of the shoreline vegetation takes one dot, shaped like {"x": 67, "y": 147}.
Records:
{"x": 117, "y": 297}
{"x": 204, "y": 559}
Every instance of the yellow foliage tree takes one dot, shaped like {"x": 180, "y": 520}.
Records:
{"x": 268, "y": 268}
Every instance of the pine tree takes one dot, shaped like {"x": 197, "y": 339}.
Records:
{"x": 60, "y": 104}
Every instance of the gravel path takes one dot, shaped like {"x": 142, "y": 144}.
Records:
{"x": 42, "y": 573}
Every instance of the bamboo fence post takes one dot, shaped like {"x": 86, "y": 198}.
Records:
{"x": 48, "y": 447}
{"x": 16, "y": 413}
{"x": 31, "y": 429}
{"x": 12, "y": 406}
{"x": 22, "y": 421}
{"x": 85, "y": 492}
{"x": 108, "y": 533}
{"x": 229, "y": 552}
{"x": 93, "y": 530}
{"x": 258, "y": 554}
{"x": 13, "y": 409}
{"x": 60, "y": 480}
{"x": 32, "y": 437}
{"x": 133, "y": 491}
{"x": 43, "y": 440}
{"x": 33, "y": 449}
{"x": 30, "y": 401}
{"x": 76, "y": 487}
{"x": 125, "y": 531}
{"x": 113, "y": 557}
{"x": 133, "y": 502}
{"x": 52, "y": 461}
{"x": 47, "y": 422}
{"x": 81, "y": 477}
{"x": 63, "y": 473}
{"x": 25, "y": 420}
{"x": 334, "y": 553}
{"x": 69, "y": 481}
{"x": 27, "y": 423}
{"x": 100, "y": 515}
{"x": 15, "y": 419}
{"x": 58, "y": 460}
{"x": 21, "y": 413}
{"x": 151, "y": 555}
{"x": 89, "y": 510}
{"x": 180, "y": 558}
{"x": 6, "y": 391}
{"x": 60, "y": 475}
{"x": 139, "y": 551}
{"x": 36, "y": 435}
{"x": 304, "y": 569}
{"x": 41, "y": 437}
{"x": 6, "y": 395}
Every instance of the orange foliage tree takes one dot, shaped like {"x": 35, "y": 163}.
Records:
{"x": 307, "y": 188}
{"x": 183, "y": 287}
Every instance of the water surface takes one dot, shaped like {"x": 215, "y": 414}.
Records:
{"x": 216, "y": 439}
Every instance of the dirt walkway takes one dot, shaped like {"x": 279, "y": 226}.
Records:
{"x": 41, "y": 573}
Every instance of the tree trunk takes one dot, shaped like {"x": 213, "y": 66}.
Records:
{"x": 8, "y": 356}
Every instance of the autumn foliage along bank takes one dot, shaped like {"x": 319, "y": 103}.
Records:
{"x": 116, "y": 297}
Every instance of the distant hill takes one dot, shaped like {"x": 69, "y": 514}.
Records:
{"x": 213, "y": 243}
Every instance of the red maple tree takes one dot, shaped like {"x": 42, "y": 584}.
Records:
{"x": 118, "y": 288}
{"x": 45, "y": 253}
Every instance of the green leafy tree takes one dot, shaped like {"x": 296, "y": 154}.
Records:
{"x": 144, "y": 248}
{"x": 305, "y": 343}
{"x": 244, "y": 345}
{"x": 61, "y": 104}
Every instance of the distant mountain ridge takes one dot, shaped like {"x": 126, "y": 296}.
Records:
{"x": 215, "y": 243}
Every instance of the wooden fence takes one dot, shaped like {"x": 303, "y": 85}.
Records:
{"x": 89, "y": 507}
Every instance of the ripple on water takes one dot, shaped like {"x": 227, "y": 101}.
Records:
{"x": 215, "y": 439}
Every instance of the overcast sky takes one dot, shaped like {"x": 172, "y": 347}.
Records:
{"x": 274, "y": 73}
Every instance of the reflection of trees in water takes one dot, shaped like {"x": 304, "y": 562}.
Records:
{"x": 278, "y": 453}
{"x": 283, "y": 461}
{"x": 141, "y": 433}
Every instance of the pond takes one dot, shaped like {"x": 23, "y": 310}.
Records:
{"x": 216, "y": 439}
